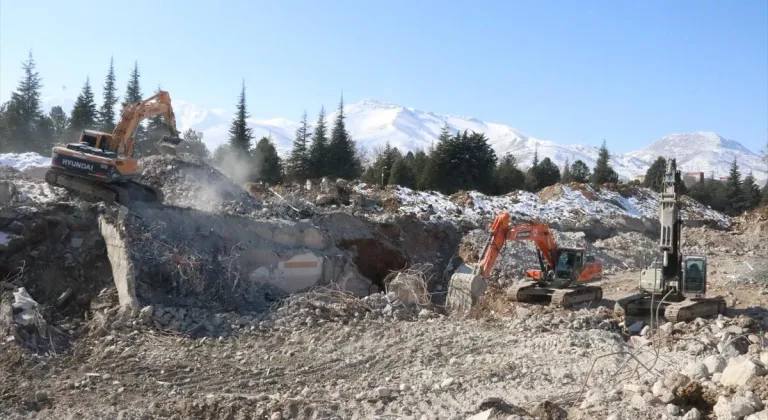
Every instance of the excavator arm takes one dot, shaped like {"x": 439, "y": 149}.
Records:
{"x": 159, "y": 104}
{"x": 501, "y": 232}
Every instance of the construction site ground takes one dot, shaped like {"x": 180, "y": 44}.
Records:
{"x": 322, "y": 354}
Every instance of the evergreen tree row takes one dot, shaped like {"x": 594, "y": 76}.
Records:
{"x": 25, "y": 127}
{"x": 316, "y": 155}
{"x": 465, "y": 161}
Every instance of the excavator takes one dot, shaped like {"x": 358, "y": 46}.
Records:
{"x": 562, "y": 274}
{"x": 101, "y": 165}
{"x": 679, "y": 286}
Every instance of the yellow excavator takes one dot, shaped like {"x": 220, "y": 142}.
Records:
{"x": 101, "y": 165}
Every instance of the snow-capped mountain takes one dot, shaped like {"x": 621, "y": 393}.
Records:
{"x": 372, "y": 123}
{"x": 705, "y": 152}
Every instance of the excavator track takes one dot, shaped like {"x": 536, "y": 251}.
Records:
{"x": 634, "y": 305}
{"x": 125, "y": 193}
{"x": 535, "y": 292}
{"x": 682, "y": 311}
{"x": 566, "y": 298}
{"x": 690, "y": 309}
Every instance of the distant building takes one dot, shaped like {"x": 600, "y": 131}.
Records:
{"x": 691, "y": 178}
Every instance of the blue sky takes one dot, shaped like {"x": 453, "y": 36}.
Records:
{"x": 572, "y": 72}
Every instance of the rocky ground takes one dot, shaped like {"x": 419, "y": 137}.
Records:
{"x": 69, "y": 352}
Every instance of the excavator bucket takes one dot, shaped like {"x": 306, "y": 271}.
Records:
{"x": 465, "y": 287}
{"x": 167, "y": 145}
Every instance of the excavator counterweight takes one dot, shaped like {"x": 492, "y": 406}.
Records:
{"x": 101, "y": 165}
{"x": 563, "y": 273}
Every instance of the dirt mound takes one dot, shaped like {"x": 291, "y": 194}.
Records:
{"x": 187, "y": 181}
{"x": 754, "y": 222}
{"x": 56, "y": 254}
{"x": 552, "y": 192}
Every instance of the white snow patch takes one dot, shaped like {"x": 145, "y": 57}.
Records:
{"x": 24, "y": 161}
{"x": 4, "y": 238}
{"x": 525, "y": 205}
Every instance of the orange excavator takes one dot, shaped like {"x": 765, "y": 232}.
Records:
{"x": 562, "y": 274}
{"x": 102, "y": 166}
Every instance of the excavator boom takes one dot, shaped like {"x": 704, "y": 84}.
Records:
{"x": 158, "y": 104}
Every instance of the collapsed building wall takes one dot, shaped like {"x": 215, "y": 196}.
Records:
{"x": 185, "y": 257}
{"x": 381, "y": 248}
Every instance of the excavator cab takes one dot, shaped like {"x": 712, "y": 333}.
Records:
{"x": 570, "y": 265}
{"x": 694, "y": 276}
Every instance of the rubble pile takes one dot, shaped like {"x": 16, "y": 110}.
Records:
{"x": 20, "y": 187}
{"x": 724, "y": 372}
{"x": 629, "y": 250}
{"x": 323, "y": 306}
{"x": 325, "y": 301}
{"x": 599, "y": 213}
{"x": 187, "y": 181}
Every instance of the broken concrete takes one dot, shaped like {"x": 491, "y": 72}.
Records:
{"x": 740, "y": 370}
{"x": 223, "y": 261}
{"x": 122, "y": 265}
{"x": 737, "y": 407}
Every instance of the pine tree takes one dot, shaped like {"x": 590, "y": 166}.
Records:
{"x": 84, "y": 112}
{"x": 419, "y": 167}
{"x": 110, "y": 98}
{"x": 340, "y": 155}
{"x": 156, "y": 126}
{"x": 401, "y": 174}
{"x": 547, "y": 173}
{"x": 193, "y": 144}
{"x": 508, "y": 176}
{"x": 764, "y": 199}
{"x": 60, "y": 122}
{"x": 133, "y": 96}
{"x": 566, "y": 174}
{"x": 380, "y": 170}
{"x": 580, "y": 172}
{"x": 133, "y": 90}
{"x": 45, "y": 132}
{"x": 268, "y": 164}
{"x": 298, "y": 162}
{"x": 319, "y": 148}
{"x": 750, "y": 192}
{"x": 240, "y": 135}
{"x": 603, "y": 172}
{"x": 532, "y": 182}
{"x": 733, "y": 190}
{"x": 445, "y": 134}
{"x": 654, "y": 176}
{"x": 24, "y": 111}
{"x": 464, "y": 162}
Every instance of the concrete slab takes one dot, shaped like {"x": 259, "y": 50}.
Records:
{"x": 296, "y": 274}
{"x": 122, "y": 265}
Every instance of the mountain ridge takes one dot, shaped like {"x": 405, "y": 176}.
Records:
{"x": 372, "y": 123}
